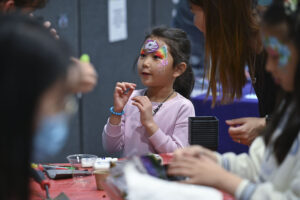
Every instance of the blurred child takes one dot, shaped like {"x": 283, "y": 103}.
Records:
{"x": 33, "y": 85}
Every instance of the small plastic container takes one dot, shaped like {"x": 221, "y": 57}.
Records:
{"x": 82, "y": 160}
{"x": 79, "y": 161}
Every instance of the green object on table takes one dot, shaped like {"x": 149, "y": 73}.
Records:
{"x": 85, "y": 58}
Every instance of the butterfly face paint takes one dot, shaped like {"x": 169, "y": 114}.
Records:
{"x": 276, "y": 48}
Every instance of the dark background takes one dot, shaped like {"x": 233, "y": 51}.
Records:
{"x": 87, "y": 32}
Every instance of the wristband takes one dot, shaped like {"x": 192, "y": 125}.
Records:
{"x": 116, "y": 113}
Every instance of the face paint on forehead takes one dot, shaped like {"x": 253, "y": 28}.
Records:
{"x": 151, "y": 46}
{"x": 274, "y": 47}
{"x": 163, "y": 54}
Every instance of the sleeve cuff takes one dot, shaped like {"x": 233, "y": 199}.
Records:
{"x": 245, "y": 190}
{"x": 112, "y": 130}
{"x": 158, "y": 138}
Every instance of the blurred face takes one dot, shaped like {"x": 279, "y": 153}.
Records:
{"x": 155, "y": 64}
{"x": 199, "y": 17}
{"x": 51, "y": 124}
{"x": 282, "y": 56}
{"x": 52, "y": 102}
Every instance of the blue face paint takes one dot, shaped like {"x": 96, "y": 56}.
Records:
{"x": 275, "y": 48}
{"x": 264, "y": 2}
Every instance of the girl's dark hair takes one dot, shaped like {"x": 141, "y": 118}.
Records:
{"x": 276, "y": 15}
{"x": 180, "y": 49}
{"x": 31, "y": 62}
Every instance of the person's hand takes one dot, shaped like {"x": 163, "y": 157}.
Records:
{"x": 145, "y": 107}
{"x": 123, "y": 91}
{"x": 47, "y": 25}
{"x": 53, "y": 32}
{"x": 245, "y": 130}
{"x": 194, "y": 151}
{"x": 200, "y": 171}
{"x": 85, "y": 75}
{"x": 204, "y": 171}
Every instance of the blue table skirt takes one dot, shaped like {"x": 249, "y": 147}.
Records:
{"x": 245, "y": 107}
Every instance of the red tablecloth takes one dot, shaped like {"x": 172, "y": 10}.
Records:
{"x": 74, "y": 190}
{"x": 82, "y": 190}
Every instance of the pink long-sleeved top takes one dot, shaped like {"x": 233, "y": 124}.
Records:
{"x": 130, "y": 135}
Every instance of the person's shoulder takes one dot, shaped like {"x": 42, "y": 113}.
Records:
{"x": 181, "y": 101}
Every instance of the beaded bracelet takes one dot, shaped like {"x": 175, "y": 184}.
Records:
{"x": 116, "y": 113}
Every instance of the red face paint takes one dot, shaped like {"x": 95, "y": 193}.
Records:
{"x": 159, "y": 54}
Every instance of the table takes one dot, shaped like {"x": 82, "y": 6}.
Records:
{"x": 74, "y": 190}
{"x": 247, "y": 106}
{"x": 79, "y": 191}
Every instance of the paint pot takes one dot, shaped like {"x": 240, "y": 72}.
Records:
{"x": 100, "y": 176}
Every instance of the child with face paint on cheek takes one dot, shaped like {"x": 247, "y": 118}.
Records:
{"x": 154, "y": 119}
{"x": 271, "y": 170}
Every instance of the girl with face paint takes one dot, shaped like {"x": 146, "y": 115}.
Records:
{"x": 271, "y": 170}
{"x": 154, "y": 119}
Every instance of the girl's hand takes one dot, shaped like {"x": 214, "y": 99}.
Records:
{"x": 194, "y": 151}
{"x": 204, "y": 171}
{"x": 145, "y": 107}
{"x": 122, "y": 93}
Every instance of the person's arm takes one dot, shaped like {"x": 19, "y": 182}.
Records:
{"x": 164, "y": 143}
{"x": 202, "y": 170}
{"x": 260, "y": 191}
{"x": 244, "y": 165}
{"x": 82, "y": 76}
{"x": 113, "y": 136}
{"x": 285, "y": 185}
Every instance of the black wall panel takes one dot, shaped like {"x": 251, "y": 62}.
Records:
{"x": 87, "y": 32}
{"x": 113, "y": 61}
{"x": 53, "y": 11}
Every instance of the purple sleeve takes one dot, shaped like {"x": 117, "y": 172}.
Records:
{"x": 164, "y": 143}
{"x": 113, "y": 136}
